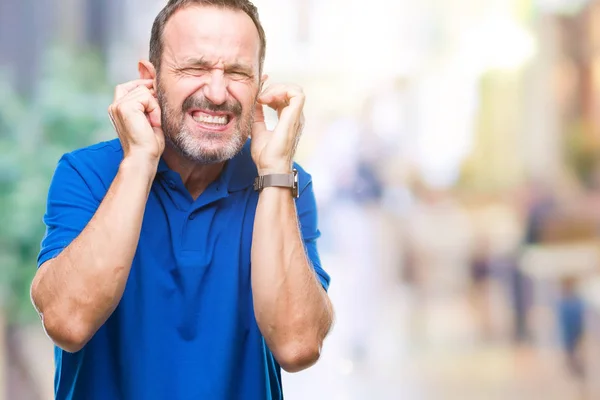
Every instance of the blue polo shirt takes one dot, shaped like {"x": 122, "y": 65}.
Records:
{"x": 185, "y": 327}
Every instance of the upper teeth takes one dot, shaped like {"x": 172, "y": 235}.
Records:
{"x": 211, "y": 119}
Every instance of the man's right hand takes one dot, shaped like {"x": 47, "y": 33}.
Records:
{"x": 136, "y": 116}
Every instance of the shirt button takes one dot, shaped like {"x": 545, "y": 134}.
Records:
{"x": 192, "y": 216}
{"x": 172, "y": 184}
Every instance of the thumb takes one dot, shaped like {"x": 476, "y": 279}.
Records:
{"x": 160, "y": 137}
{"x": 292, "y": 114}
{"x": 155, "y": 118}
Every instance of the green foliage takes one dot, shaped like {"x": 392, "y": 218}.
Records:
{"x": 68, "y": 111}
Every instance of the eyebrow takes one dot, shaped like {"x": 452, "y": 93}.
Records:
{"x": 202, "y": 63}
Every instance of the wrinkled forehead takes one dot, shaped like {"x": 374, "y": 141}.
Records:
{"x": 213, "y": 33}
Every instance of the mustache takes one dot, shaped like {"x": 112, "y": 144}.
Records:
{"x": 192, "y": 102}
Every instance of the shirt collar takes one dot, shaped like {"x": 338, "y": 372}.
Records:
{"x": 238, "y": 174}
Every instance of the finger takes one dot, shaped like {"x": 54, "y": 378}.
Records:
{"x": 284, "y": 99}
{"x": 153, "y": 111}
{"x": 270, "y": 92}
{"x": 125, "y": 88}
{"x": 141, "y": 99}
{"x": 112, "y": 119}
{"x": 131, "y": 85}
{"x": 274, "y": 102}
{"x": 279, "y": 88}
{"x": 280, "y": 96}
{"x": 259, "y": 124}
{"x": 259, "y": 113}
{"x": 155, "y": 117}
{"x": 148, "y": 104}
{"x": 263, "y": 80}
{"x": 291, "y": 115}
{"x": 136, "y": 94}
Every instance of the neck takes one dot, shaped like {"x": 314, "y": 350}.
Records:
{"x": 196, "y": 177}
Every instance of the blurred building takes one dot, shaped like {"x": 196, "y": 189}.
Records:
{"x": 31, "y": 27}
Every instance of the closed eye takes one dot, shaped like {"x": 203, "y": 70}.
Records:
{"x": 239, "y": 75}
{"x": 194, "y": 71}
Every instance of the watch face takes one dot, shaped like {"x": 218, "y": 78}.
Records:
{"x": 258, "y": 183}
{"x": 295, "y": 190}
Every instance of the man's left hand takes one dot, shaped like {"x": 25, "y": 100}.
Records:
{"x": 273, "y": 151}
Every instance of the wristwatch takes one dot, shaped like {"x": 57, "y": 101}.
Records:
{"x": 278, "y": 180}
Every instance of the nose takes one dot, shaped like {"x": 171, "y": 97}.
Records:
{"x": 215, "y": 89}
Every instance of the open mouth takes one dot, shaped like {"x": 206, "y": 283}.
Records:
{"x": 211, "y": 121}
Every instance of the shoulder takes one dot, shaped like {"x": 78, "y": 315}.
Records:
{"x": 105, "y": 152}
{"x": 97, "y": 165}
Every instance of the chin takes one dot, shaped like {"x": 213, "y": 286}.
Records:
{"x": 210, "y": 151}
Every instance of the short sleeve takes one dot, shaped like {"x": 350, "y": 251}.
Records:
{"x": 306, "y": 205}
{"x": 70, "y": 206}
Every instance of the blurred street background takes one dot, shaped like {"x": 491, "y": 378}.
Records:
{"x": 455, "y": 151}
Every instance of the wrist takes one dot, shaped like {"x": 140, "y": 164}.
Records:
{"x": 284, "y": 168}
{"x": 141, "y": 164}
{"x": 275, "y": 192}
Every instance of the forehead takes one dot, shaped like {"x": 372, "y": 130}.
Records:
{"x": 213, "y": 33}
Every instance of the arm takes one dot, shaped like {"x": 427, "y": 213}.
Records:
{"x": 291, "y": 306}
{"x": 78, "y": 290}
{"x": 292, "y": 309}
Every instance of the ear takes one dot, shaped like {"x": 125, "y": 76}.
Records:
{"x": 147, "y": 71}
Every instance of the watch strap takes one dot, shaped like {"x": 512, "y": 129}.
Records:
{"x": 278, "y": 180}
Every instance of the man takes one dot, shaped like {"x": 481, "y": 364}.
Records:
{"x": 164, "y": 274}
